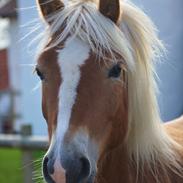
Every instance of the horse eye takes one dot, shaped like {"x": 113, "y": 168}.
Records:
{"x": 41, "y": 76}
{"x": 115, "y": 71}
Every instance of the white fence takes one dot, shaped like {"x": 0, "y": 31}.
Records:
{"x": 24, "y": 142}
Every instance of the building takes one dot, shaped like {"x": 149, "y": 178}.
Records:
{"x": 167, "y": 15}
{"x": 8, "y": 16}
{"x": 15, "y": 61}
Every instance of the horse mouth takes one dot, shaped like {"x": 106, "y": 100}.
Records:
{"x": 49, "y": 179}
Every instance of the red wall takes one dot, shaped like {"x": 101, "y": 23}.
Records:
{"x": 4, "y": 74}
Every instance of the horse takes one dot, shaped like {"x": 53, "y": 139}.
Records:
{"x": 97, "y": 66}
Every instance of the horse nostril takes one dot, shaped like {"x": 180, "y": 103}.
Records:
{"x": 50, "y": 166}
{"x": 48, "y": 169}
{"x": 85, "y": 168}
{"x": 77, "y": 169}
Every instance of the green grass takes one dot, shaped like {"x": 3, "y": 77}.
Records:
{"x": 11, "y": 167}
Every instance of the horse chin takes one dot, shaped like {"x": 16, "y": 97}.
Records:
{"x": 90, "y": 179}
{"x": 62, "y": 178}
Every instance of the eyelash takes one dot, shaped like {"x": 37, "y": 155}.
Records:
{"x": 41, "y": 76}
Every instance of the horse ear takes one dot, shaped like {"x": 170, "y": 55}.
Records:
{"x": 48, "y": 7}
{"x": 110, "y": 9}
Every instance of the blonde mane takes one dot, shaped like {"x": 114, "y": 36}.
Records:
{"x": 147, "y": 140}
{"x": 136, "y": 41}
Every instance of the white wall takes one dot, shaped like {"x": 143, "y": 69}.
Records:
{"x": 31, "y": 100}
{"x": 168, "y": 16}
{"x": 4, "y": 35}
{"x": 14, "y": 66}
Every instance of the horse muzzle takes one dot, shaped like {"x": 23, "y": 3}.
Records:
{"x": 71, "y": 167}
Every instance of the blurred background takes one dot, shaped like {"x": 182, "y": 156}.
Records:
{"x": 20, "y": 104}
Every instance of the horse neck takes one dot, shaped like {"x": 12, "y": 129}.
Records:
{"x": 117, "y": 167}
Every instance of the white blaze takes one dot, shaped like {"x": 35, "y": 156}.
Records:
{"x": 70, "y": 59}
